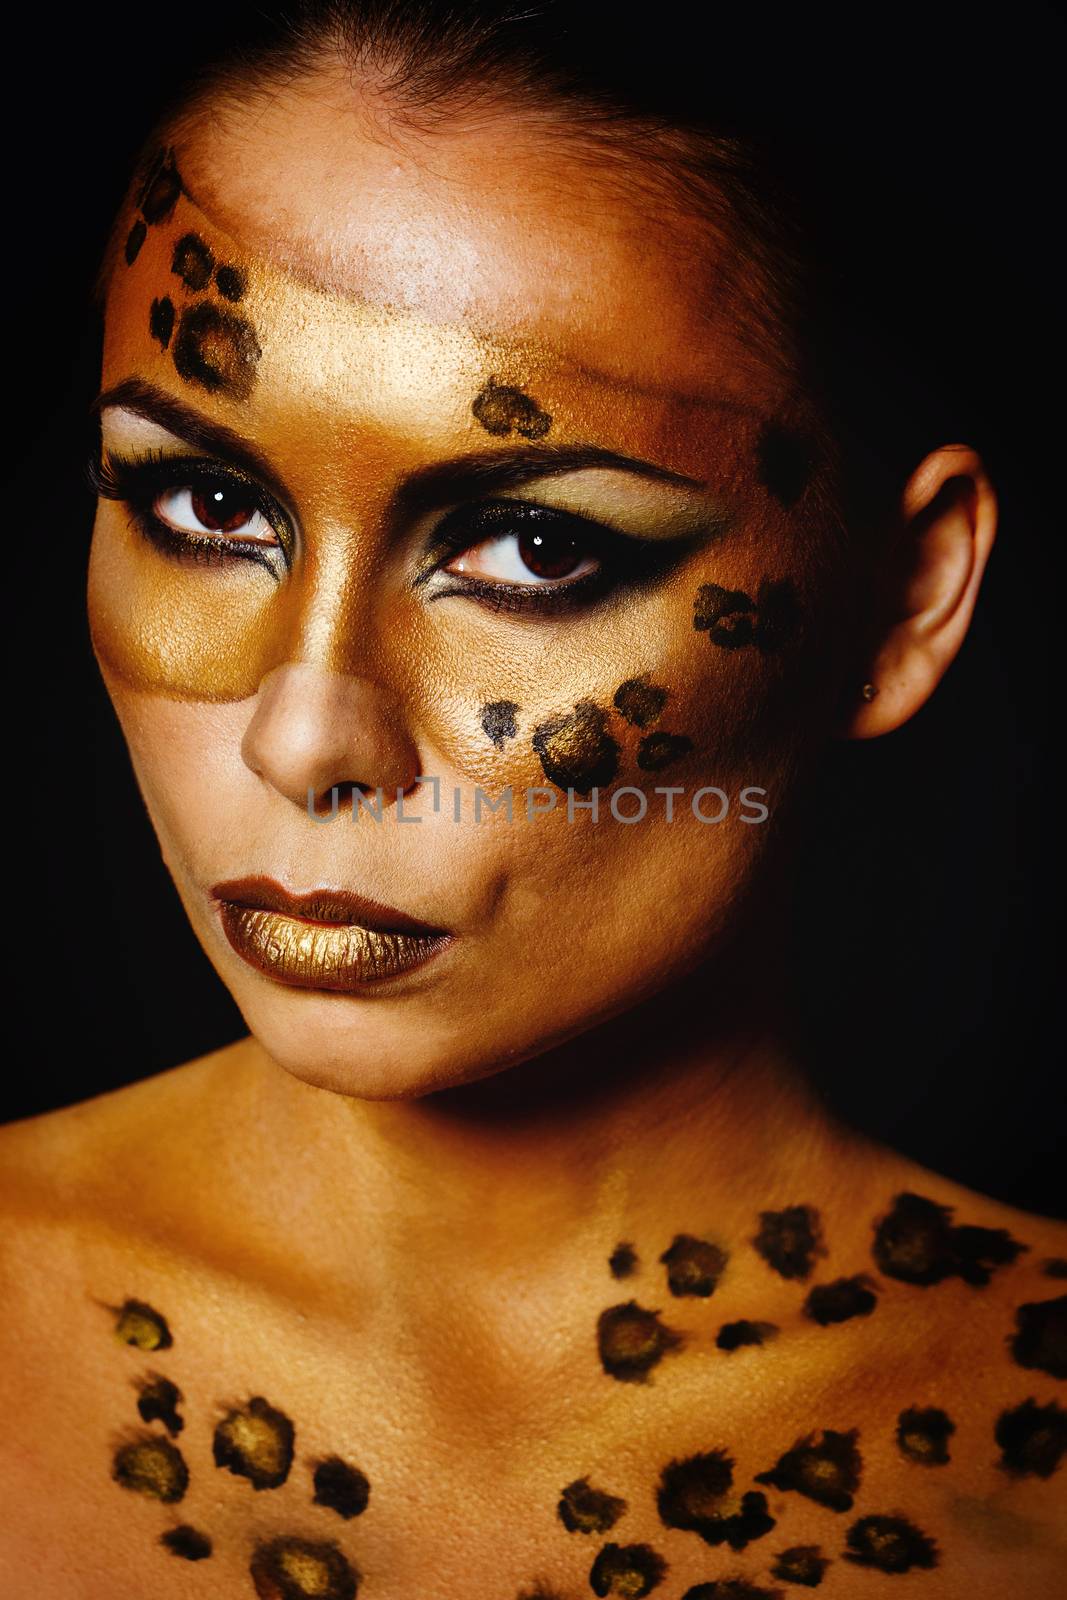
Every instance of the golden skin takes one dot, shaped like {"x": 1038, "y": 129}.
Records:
{"x": 415, "y": 1279}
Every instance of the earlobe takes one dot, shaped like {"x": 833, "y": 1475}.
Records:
{"x": 934, "y": 568}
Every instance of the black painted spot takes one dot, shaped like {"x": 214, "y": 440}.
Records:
{"x": 804, "y": 1564}
{"x": 1032, "y": 1439}
{"x": 138, "y": 1324}
{"x": 151, "y": 1466}
{"x": 540, "y": 1591}
{"x": 192, "y": 261}
{"x": 697, "y": 1495}
{"x": 341, "y": 1487}
{"x": 632, "y": 1341}
{"x": 917, "y": 1243}
{"x": 161, "y": 189}
{"x": 302, "y": 1569}
{"x": 187, "y": 1542}
{"x": 779, "y": 614}
{"x": 827, "y": 1472}
{"x": 784, "y": 462}
{"x": 255, "y": 1441}
{"x": 658, "y": 750}
{"x": 640, "y": 701}
{"x": 790, "y": 1240}
{"x": 134, "y": 240}
{"x": 923, "y": 1435}
{"x": 576, "y": 750}
{"x": 583, "y": 1509}
{"x": 731, "y": 1589}
{"x": 841, "y": 1300}
{"x": 498, "y": 721}
{"x": 1054, "y": 1267}
{"x": 622, "y": 1262}
{"x": 158, "y": 1401}
{"x": 230, "y": 282}
{"x": 502, "y": 410}
{"x": 694, "y": 1266}
{"x": 217, "y": 349}
{"x": 1040, "y": 1340}
{"x": 890, "y": 1544}
{"x": 627, "y": 1569}
{"x": 735, "y": 1335}
{"x": 726, "y": 615}
{"x": 161, "y": 320}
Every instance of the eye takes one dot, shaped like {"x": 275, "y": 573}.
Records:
{"x": 214, "y": 509}
{"x": 536, "y": 552}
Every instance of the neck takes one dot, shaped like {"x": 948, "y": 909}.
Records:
{"x": 665, "y": 1116}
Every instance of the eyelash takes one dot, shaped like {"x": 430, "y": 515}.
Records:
{"x": 624, "y": 562}
{"x": 138, "y": 485}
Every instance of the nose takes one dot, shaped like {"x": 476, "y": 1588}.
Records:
{"x": 313, "y": 730}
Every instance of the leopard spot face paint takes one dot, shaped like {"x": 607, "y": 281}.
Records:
{"x": 1032, "y": 1439}
{"x": 659, "y": 750}
{"x": 585, "y": 1509}
{"x": 498, "y": 721}
{"x": 1040, "y": 1339}
{"x": 502, "y": 409}
{"x": 341, "y": 1487}
{"x": 803, "y": 1564}
{"x": 302, "y": 1569}
{"x": 575, "y": 749}
{"x": 738, "y": 1335}
{"x": 696, "y": 1494}
{"x": 230, "y": 282}
{"x": 640, "y": 700}
{"x": 141, "y": 1325}
{"x": 923, "y": 1435}
{"x": 694, "y": 1266}
{"x": 161, "y": 320}
{"x": 217, "y": 350}
{"x": 134, "y": 240}
{"x": 731, "y": 1589}
{"x": 187, "y": 1543}
{"x": 917, "y": 1242}
{"x": 790, "y": 1240}
{"x": 255, "y": 1441}
{"x": 622, "y": 1262}
{"x": 1054, "y": 1267}
{"x": 889, "y": 1544}
{"x": 162, "y": 189}
{"x": 632, "y": 1341}
{"x": 158, "y": 1400}
{"x": 627, "y": 1570}
{"x": 151, "y": 1466}
{"x": 826, "y": 1471}
{"x": 841, "y": 1300}
{"x": 193, "y": 261}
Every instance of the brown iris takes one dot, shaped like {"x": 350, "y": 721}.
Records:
{"x": 549, "y": 553}
{"x": 221, "y": 510}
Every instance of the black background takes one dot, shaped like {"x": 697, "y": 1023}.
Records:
{"x": 927, "y": 912}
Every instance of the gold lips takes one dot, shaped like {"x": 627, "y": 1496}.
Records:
{"x": 316, "y": 955}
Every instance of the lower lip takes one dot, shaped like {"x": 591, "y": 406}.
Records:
{"x": 323, "y": 955}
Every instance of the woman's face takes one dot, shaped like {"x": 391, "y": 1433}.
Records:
{"x": 451, "y": 459}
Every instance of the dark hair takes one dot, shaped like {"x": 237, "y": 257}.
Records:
{"x": 735, "y": 117}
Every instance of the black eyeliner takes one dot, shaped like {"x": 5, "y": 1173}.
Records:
{"x": 138, "y": 483}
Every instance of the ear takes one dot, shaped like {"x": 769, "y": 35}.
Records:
{"x": 948, "y": 520}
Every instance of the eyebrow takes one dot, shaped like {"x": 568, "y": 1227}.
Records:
{"x": 423, "y": 490}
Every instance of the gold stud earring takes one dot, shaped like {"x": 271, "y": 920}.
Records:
{"x": 869, "y": 691}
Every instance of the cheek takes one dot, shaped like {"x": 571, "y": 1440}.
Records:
{"x": 176, "y": 628}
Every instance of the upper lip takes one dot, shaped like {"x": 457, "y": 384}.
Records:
{"x": 338, "y": 906}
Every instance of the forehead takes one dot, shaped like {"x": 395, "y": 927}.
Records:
{"x": 508, "y": 228}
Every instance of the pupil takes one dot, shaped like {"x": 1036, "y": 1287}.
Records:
{"x": 549, "y": 554}
{"x": 217, "y": 510}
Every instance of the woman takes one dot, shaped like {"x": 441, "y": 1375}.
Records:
{"x": 478, "y": 576}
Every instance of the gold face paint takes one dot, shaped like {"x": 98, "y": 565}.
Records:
{"x": 350, "y": 404}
